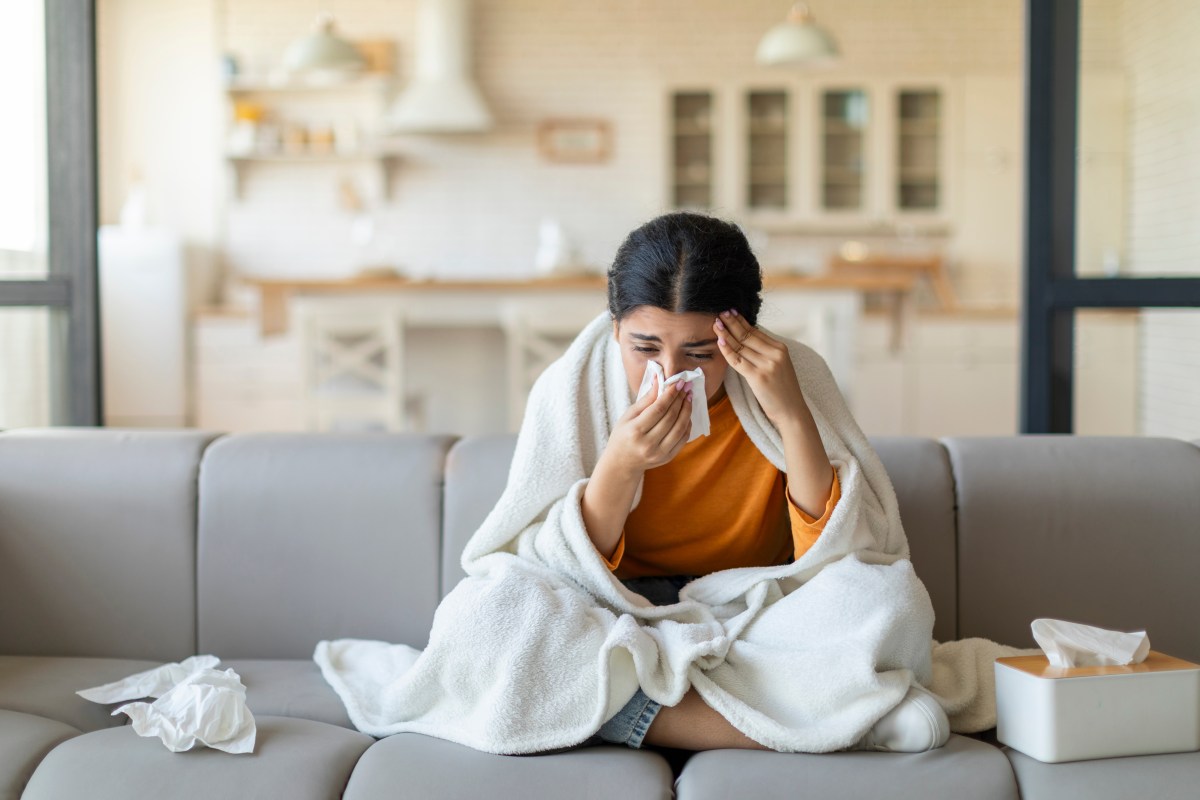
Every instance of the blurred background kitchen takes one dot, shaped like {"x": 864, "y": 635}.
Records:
{"x": 392, "y": 214}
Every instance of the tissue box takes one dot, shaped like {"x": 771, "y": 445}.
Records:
{"x": 1067, "y": 714}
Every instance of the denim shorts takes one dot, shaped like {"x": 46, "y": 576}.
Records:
{"x": 629, "y": 725}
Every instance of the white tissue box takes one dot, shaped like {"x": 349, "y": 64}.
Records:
{"x": 1068, "y": 714}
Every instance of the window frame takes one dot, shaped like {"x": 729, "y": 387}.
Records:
{"x": 1053, "y": 292}
{"x": 72, "y": 278}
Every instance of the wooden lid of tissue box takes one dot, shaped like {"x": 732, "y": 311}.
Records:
{"x": 1039, "y": 666}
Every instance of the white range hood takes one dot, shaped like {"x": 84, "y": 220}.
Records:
{"x": 441, "y": 98}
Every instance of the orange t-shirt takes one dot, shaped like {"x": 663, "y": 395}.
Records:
{"x": 719, "y": 504}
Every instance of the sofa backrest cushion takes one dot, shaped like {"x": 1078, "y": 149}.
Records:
{"x": 304, "y": 537}
{"x": 1099, "y": 530}
{"x": 477, "y": 471}
{"x": 920, "y": 473}
{"x": 98, "y": 542}
{"x": 476, "y": 474}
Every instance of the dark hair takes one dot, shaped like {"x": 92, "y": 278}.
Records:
{"x": 685, "y": 262}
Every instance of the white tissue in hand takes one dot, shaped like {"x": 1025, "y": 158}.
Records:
{"x": 208, "y": 706}
{"x": 151, "y": 683}
{"x": 699, "y": 400}
{"x": 1070, "y": 644}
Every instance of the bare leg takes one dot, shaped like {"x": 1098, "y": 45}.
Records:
{"x": 692, "y": 725}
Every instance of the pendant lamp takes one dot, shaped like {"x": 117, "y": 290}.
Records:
{"x": 797, "y": 42}
{"x": 322, "y": 52}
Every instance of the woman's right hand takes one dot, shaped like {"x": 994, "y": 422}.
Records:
{"x": 653, "y": 430}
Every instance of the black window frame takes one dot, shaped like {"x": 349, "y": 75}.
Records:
{"x": 1052, "y": 290}
{"x": 71, "y": 282}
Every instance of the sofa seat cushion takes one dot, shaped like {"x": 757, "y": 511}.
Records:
{"x": 964, "y": 767}
{"x": 46, "y": 686}
{"x": 24, "y": 742}
{"x": 289, "y": 688}
{"x": 1163, "y": 777}
{"x": 292, "y": 758}
{"x": 414, "y": 765}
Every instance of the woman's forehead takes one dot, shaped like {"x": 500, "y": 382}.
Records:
{"x": 669, "y": 327}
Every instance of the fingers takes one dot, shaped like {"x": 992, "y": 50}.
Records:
{"x": 679, "y": 405}
{"x": 739, "y": 334}
{"x": 735, "y": 350}
{"x": 745, "y": 346}
{"x": 682, "y": 429}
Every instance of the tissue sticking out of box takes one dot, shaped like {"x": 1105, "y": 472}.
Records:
{"x": 196, "y": 703}
{"x": 1070, "y": 644}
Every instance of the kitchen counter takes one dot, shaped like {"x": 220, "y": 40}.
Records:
{"x": 274, "y": 293}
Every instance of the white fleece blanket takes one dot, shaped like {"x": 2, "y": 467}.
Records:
{"x": 540, "y": 644}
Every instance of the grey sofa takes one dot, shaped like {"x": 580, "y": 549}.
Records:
{"x": 123, "y": 549}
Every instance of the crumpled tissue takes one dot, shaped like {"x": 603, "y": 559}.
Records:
{"x": 195, "y": 703}
{"x": 151, "y": 683}
{"x": 699, "y": 400}
{"x": 1070, "y": 644}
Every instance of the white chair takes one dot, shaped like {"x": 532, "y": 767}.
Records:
{"x": 536, "y": 336}
{"x": 353, "y": 355}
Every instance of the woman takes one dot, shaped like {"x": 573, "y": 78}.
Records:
{"x": 683, "y": 291}
{"x": 807, "y": 635}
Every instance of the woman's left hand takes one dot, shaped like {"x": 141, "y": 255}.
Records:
{"x": 765, "y": 364}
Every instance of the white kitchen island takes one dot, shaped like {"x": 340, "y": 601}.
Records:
{"x": 456, "y": 356}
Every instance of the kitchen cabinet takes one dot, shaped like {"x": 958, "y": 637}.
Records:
{"x": 767, "y": 151}
{"x": 959, "y": 375}
{"x": 244, "y": 382}
{"x": 844, "y": 121}
{"x": 956, "y": 375}
{"x": 846, "y": 154}
{"x": 692, "y": 167}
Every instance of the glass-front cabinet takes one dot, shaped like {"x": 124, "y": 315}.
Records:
{"x": 845, "y": 114}
{"x": 815, "y": 152}
{"x": 766, "y": 176}
{"x": 692, "y": 166}
{"x": 918, "y": 150}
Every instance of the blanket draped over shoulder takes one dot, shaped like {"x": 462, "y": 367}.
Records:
{"x": 540, "y": 644}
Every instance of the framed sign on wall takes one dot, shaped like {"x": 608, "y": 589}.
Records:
{"x": 577, "y": 141}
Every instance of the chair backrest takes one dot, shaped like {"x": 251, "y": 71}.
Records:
{"x": 98, "y": 542}
{"x": 1099, "y": 530}
{"x": 304, "y": 537}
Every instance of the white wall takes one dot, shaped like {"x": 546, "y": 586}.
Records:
{"x": 1159, "y": 48}
{"x": 159, "y": 116}
{"x": 469, "y": 205}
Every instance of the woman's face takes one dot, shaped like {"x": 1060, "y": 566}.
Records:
{"x": 677, "y": 340}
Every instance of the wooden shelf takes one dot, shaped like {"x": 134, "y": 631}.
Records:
{"x": 241, "y": 162}
{"x": 313, "y": 157}
{"x": 262, "y": 86}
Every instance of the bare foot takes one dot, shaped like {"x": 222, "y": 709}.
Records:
{"x": 692, "y": 725}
